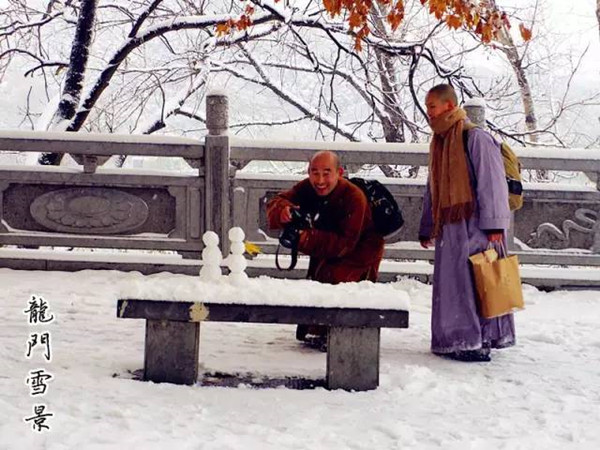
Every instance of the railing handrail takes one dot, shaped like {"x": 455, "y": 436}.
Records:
{"x": 575, "y": 159}
{"x": 101, "y": 144}
{"x": 248, "y": 149}
{"x": 529, "y": 187}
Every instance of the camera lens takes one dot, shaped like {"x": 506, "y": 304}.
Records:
{"x": 289, "y": 237}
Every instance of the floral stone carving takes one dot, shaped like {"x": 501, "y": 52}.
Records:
{"x": 89, "y": 211}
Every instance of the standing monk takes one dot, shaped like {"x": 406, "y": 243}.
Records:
{"x": 343, "y": 244}
{"x": 465, "y": 209}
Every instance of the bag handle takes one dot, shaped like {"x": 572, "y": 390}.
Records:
{"x": 503, "y": 253}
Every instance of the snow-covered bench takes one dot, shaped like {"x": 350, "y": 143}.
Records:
{"x": 172, "y": 337}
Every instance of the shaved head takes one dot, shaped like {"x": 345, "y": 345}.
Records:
{"x": 440, "y": 99}
{"x": 326, "y": 155}
{"x": 444, "y": 92}
{"x": 324, "y": 172}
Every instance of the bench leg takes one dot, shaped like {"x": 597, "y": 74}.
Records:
{"x": 353, "y": 358}
{"x": 171, "y": 351}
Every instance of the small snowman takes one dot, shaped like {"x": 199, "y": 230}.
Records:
{"x": 211, "y": 257}
{"x": 236, "y": 261}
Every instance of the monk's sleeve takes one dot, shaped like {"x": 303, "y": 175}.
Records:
{"x": 426, "y": 226}
{"x": 491, "y": 187}
{"x": 327, "y": 244}
{"x": 280, "y": 201}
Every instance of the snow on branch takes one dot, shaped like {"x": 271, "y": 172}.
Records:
{"x": 303, "y": 106}
{"x": 198, "y": 22}
{"x": 173, "y": 106}
{"x": 42, "y": 63}
{"x": 15, "y": 26}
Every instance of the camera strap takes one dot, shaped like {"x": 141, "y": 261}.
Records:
{"x": 294, "y": 258}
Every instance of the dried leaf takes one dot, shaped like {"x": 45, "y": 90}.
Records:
{"x": 223, "y": 29}
{"x": 251, "y": 248}
{"x": 525, "y": 32}
{"x": 454, "y": 21}
{"x": 355, "y": 20}
{"x": 395, "y": 19}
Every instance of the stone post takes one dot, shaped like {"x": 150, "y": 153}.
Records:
{"x": 475, "y": 109}
{"x": 216, "y": 163}
{"x": 596, "y": 232}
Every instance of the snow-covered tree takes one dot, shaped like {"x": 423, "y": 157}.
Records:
{"x": 287, "y": 64}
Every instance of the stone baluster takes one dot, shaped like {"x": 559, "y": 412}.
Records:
{"x": 216, "y": 162}
{"x": 475, "y": 109}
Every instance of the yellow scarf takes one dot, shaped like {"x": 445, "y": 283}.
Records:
{"x": 449, "y": 182}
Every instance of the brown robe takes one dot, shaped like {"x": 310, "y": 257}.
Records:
{"x": 343, "y": 245}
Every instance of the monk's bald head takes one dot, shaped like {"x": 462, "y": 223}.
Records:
{"x": 324, "y": 172}
{"x": 440, "y": 100}
{"x": 444, "y": 92}
{"x": 327, "y": 156}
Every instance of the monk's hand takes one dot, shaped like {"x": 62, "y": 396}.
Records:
{"x": 285, "y": 216}
{"x": 495, "y": 236}
{"x": 425, "y": 242}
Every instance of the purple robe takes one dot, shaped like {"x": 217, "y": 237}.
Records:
{"x": 455, "y": 324}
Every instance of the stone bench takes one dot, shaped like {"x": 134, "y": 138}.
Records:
{"x": 173, "y": 336}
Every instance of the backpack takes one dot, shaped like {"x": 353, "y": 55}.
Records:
{"x": 512, "y": 170}
{"x": 386, "y": 213}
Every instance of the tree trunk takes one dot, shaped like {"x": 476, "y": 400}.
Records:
{"x": 516, "y": 62}
{"x": 394, "y": 121}
{"x": 598, "y": 14}
{"x": 71, "y": 93}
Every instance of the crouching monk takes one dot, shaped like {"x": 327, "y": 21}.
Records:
{"x": 465, "y": 210}
{"x": 342, "y": 243}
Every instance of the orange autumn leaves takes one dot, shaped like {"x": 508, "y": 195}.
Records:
{"x": 242, "y": 23}
{"x": 479, "y": 16}
{"x": 525, "y": 32}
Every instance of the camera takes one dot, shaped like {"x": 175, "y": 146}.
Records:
{"x": 291, "y": 233}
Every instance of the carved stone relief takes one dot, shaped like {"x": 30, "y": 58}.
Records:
{"x": 89, "y": 211}
{"x": 586, "y": 221}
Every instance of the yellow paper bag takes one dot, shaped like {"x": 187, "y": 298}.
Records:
{"x": 497, "y": 282}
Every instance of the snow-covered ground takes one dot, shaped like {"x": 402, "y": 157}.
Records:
{"x": 542, "y": 394}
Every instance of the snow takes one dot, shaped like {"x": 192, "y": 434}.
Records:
{"x": 570, "y": 154}
{"x": 558, "y": 187}
{"x": 380, "y": 147}
{"x": 55, "y": 254}
{"x": 82, "y": 136}
{"x": 218, "y": 92}
{"x": 544, "y": 393}
{"x": 589, "y": 158}
{"x": 267, "y": 176}
{"x": 181, "y": 173}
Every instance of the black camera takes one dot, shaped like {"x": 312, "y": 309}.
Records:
{"x": 291, "y": 233}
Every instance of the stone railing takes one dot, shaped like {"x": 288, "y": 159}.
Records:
{"x": 553, "y": 218}
{"x": 125, "y": 209}
{"x": 111, "y": 208}
{"x": 101, "y": 208}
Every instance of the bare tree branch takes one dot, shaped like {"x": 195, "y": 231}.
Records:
{"x": 14, "y": 27}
